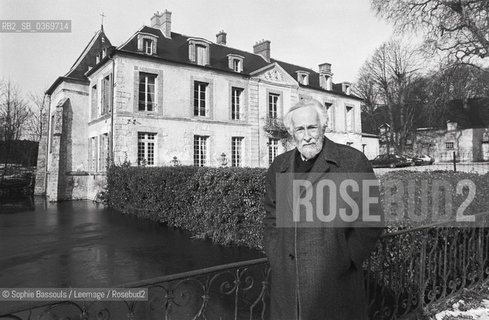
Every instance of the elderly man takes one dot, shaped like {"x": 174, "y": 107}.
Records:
{"x": 316, "y": 273}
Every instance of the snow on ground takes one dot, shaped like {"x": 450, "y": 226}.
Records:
{"x": 460, "y": 312}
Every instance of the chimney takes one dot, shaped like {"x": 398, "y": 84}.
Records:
{"x": 263, "y": 49}
{"x": 325, "y": 76}
{"x": 162, "y": 21}
{"x": 221, "y": 37}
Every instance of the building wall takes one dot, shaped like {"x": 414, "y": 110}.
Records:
{"x": 467, "y": 144}
{"x": 80, "y": 165}
{"x": 372, "y": 147}
{"x": 67, "y": 148}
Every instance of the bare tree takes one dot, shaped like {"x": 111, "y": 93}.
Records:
{"x": 390, "y": 73}
{"x": 14, "y": 112}
{"x": 366, "y": 89}
{"x": 458, "y": 28}
{"x": 453, "y": 82}
{"x": 34, "y": 124}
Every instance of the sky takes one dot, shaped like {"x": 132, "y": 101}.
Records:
{"x": 307, "y": 33}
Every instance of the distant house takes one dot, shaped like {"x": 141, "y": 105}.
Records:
{"x": 466, "y": 134}
{"x": 163, "y": 98}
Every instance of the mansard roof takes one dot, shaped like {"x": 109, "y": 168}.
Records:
{"x": 176, "y": 50}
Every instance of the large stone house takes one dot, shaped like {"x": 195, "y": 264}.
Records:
{"x": 163, "y": 98}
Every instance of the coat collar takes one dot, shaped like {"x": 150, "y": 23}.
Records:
{"x": 329, "y": 154}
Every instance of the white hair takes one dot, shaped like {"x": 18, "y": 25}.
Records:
{"x": 309, "y": 103}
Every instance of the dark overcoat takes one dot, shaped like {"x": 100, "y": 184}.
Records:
{"x": 316, "y": 273}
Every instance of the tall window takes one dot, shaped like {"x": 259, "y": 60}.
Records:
{"x": 201, "y": 55}
{"x": 92, "y": 152}
{"x": 104, "y": 151}
{"x": 148, "y": 46}
{"x": 146, "y": 148}
{"x": 236, "y": 103}
{"x": 236, "y": 151}
{"x": 349, "y": 118}
{"x": 272, "y": 149}
{"x": 200, "y": 98}
{"x": 106, "y": 94}
{"x": 273, "y": 105}
{"x": 200, "y": 150}
{"x": 147, "y": 83}
{"x": 329, "y": 112}
{"x": 94, "y": 106}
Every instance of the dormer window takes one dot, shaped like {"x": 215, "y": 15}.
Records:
{"x": 148, "y": 46}
{"x": 303, "y": 77}
{"x": 198, "y": 51}
{"x": 147, "y": 43}
{"x": 346, "y": 88}
{"x": 235, "y": 62}
{"x": 104, "y": 52}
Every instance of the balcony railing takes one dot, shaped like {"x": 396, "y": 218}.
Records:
{"x": 409, "y": 273}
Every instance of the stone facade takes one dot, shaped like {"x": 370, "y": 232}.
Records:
{"x": 468, "y": 145}
{"x": 140, "y": 107}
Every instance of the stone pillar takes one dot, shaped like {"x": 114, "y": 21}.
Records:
{"x": 41, "y": 168}
{"x": 54, "y": 164}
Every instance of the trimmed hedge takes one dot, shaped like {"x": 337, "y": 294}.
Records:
{"x": 225, "y": 204}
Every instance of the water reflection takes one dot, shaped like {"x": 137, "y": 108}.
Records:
{"x": 80, "y": 244}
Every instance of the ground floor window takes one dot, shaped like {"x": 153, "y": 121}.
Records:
{"x": 146, "y": 148}
{"x": 200, "y": 150}
{"x": 104, "y": 151}
{"x": 272, "y": 149}
{"x": 236, "y": 151}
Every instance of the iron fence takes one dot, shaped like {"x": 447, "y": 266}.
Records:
{"x": 410, "y": 272}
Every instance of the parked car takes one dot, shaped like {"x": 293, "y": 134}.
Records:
{"x": 411, "y": 159}
{"x": 390, "y": 161}
{"x": 423, "y": 160}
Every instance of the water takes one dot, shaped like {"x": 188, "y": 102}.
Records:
{"x": 81, "y": 244}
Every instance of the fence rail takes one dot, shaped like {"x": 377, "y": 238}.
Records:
{"x": 410, "y": 271}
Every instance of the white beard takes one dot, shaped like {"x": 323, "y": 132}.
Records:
{"x": 310, "y": 151}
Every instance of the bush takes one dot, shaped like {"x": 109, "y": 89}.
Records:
{"x": 223, "y": 204}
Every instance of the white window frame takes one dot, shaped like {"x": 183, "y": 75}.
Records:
{"x": 272, "y": 149}
{"x": 147, "y": 144}
{"x": 200, "y": 150}
{"x": 146, "y": 92}
{"x": 198, "y": 109}
{"x": 273, "y": 114}
{"x": 237, "y": 151}
{"x": 148, "y": 46}
{"x": 236, "y": 103}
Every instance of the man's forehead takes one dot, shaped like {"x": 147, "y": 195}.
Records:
{"x": 305, "y": 116}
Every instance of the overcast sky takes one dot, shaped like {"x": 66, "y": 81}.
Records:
{"x": 307, "y": 33}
